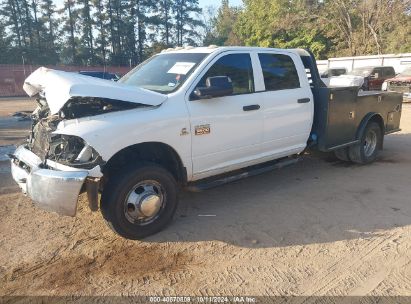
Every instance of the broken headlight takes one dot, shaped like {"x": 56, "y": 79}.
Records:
{"x": 73, "y": 151}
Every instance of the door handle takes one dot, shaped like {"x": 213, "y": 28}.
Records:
{"x": 251, "y": 107}
{"x": 303, "y": 100}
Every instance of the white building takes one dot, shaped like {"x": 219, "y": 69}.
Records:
{"x": 398, "y": 61}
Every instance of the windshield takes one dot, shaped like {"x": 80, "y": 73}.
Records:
{"x": 406, "y": 73}
{"x": 163, "y": 73}
{"x": 361, "y": 71}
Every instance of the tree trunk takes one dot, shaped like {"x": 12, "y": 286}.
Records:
{"x": 28, "y": 21}
{"x": 34, "y": 6}
{"x": 71, "y": 23}
{"x": 15, "y": 21}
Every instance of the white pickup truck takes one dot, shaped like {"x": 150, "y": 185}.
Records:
{"x": 187, "y": 118}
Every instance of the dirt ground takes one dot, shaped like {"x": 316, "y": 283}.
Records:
{"x": 320, "y": 227}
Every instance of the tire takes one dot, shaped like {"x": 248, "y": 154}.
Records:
{"x": 342, "y": 154}
{"x": 370, "y": 142}
{"x": 140, "y": 201}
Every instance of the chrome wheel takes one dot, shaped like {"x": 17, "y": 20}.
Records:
{"x": 144, "y": 202}
{"x": 370, "y": 143}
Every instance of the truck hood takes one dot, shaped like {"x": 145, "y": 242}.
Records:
{"x": 400, "y": 79}
{"x": 346, "y": 81}
{"x": 59, "y": 87}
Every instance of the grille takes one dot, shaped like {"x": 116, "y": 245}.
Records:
{"x": 401, "y": 87}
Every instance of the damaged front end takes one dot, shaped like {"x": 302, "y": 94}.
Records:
{"x": 52, "y": 168}
{"x": 69, "y": 150}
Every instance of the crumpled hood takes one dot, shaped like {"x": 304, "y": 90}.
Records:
{"x": 59, "y": 87}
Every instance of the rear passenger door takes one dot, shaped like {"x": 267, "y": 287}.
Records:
{"x": 288, "y": 104}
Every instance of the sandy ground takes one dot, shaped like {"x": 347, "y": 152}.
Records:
{"x": 320, "y": 227}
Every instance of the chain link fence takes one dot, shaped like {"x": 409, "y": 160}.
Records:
{"x": 12, "y": 75}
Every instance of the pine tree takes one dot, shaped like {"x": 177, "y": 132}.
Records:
{"x": 187, "y": 21}
{"x": 69, "y": 19}
{"x": 100, "y": 18}
{"x": 48, "y": 10}
{"x": 164, "y": 20}
{"x": 86, "y": 38}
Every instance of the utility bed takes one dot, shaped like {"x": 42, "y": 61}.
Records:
{"x": 340, "y": 113}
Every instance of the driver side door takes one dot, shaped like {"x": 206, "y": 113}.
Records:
{"x": 226, "y": 131}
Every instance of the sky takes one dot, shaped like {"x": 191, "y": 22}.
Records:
{"x": 216, "y": 3}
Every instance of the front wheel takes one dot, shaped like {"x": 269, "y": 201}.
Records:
{"x": 140, "y": 201}
{"x": 366, "y": 150}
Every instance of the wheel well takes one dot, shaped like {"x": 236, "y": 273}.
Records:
{"x": 373, "y": 117}
{"x": 379, "y": 120}
{"x": 154, "y": 152}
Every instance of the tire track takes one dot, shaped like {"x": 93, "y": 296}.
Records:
{"x": 328, "y": 279}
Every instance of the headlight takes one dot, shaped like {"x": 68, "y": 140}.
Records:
{"x": 384, "y": 86}
{"x": 85, "y": 154}
{"x": 71, "y": 150}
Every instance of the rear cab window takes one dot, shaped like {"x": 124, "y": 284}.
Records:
{"x": 279, "y": 72}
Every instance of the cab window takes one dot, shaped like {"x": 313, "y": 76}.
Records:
{"x": 389, "y": 72}
{"x": 279, "y": 72}
{"x": 238, "y": 68}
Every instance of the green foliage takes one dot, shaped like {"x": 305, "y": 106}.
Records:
{"x": 328, "y": 27}
{"x": 126, "y": 32}
{"x": 222, "y": 32}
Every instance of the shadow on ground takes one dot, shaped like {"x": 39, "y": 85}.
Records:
{"x": 315, "y": 201}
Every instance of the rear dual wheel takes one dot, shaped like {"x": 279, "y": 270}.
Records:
{"x": 366, "y": 151}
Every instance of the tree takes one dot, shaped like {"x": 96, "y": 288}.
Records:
{"x": 186, "y": 21}
{"x": 101, "y": 42}
{"x": 47, "y": 24}
{"x": 208, "y": 19}
{"x": 87, "y": 47}
{"x": 12, "y": 20}
{"x": 37, "y": 23}
{"x": 143, "y": 9}
{"x": 69, "y": 19}
{"x": 222, "y": 32}
{"x": 164, "y": 20}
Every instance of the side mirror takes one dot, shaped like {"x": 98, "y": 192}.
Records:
{"x": 216, "y": 86}
{"x": 374, "y": 76}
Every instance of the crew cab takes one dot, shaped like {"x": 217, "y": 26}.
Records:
{"x": 188, "y": 118}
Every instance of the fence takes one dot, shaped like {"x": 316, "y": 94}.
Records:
{"x": 12, "y": 75}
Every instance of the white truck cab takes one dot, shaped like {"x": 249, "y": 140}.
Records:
{"x": 182, "y": 117}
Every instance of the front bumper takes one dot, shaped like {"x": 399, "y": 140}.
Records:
{"x": 52, "y": 190}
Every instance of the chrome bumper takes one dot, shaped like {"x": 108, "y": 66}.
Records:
{"x": 52, "y": 190}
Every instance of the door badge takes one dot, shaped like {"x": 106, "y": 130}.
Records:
{"x": 202, "y": 129}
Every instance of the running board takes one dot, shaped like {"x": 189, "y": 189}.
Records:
{"x": 220, "y": 180}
